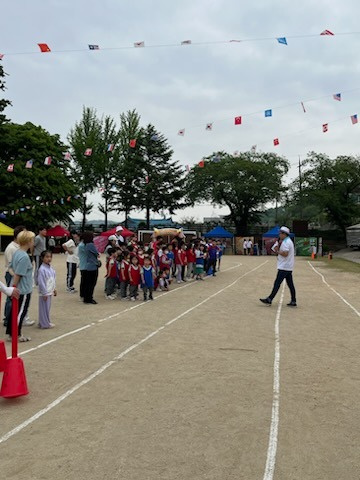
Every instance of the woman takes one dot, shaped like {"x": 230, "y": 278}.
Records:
{"x": 22, "y": 279}
{"x": 91, "y": 268}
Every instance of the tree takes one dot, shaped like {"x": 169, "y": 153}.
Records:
{"x": 3, "y": 103}
{"x": 162, "y": 182}
{"x": 330, "y": 184}
{"x": 128, "y": 170}
{"x": 244, "y": 184}
{"x": 87, "y": 133}
{"x": 41, "y": 194}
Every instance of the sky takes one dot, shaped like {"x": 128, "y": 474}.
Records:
{"x": 191, "y": 85}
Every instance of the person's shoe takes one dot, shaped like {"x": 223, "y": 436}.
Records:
{"x": 145, "y": 299}
{"x": 267, "y": 301}
{"x": 27, "y": 322}
{"x": 132, "y": 299}
{"x": 93, "y": 302}
{"x": 109, "y": 297}
{"x": 178, "y": 281}
{"x": 151, "y": 297}
{"x": 52, "y": 325}
{"x": 292, "y": 304}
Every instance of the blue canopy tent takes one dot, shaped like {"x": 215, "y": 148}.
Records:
{"x": 274, "y": 233}
{"x": 218, "y": 232}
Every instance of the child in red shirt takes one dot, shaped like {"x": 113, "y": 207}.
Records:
{"x": 181, "y": 261}
{"x": 191, "y": 260}
{"x": 141, "y": 257}
{"x": 135, "y": 278}
{"x": 111, "y": 275}
{"x": 124, "y": 274}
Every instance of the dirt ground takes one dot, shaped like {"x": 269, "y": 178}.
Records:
{"x": 182, "y": 387}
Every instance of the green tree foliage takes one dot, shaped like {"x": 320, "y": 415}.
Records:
{"x": 330, "y": 184}
{"x": 244, "y": 184}
{"x": 40, "y": 194}
{"x": 3, "y": 103}
{"x": 162, "y": 182}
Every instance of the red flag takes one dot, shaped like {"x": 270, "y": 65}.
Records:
{"x": 276, "y": 142}
{"x": 238, "y": 120}
{"x": 201, "y": 164}
{"x": 47, "y": 161}
{"x": 44, "y": 47}
{"x": 325, "y": 127}
{"x": 10, "y": 167}
{"x": 327, "y": 32}
{"x": 132, "y": 143}
{"x": 88, "y": 152}
{"x": 1, "y": 56}
{"x": 147, "y": 179}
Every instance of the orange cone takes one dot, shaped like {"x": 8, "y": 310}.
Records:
{"x": 2, "y": 356}
{"x": 14, "y": 380}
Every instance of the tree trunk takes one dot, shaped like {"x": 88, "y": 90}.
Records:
{"x": 106, "y": 212}
{"x": 148, "y": 217}
{"x": 126, "y": 217}
{"x": 83, "y": 214}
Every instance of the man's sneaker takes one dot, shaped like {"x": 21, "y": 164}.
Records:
{"x": 267, "y": 301}
{"x": 109, "y": 297}
{"x": 71, "y": 290}
{"x": 292, "y": 304}
{"x": 27, "y": 322}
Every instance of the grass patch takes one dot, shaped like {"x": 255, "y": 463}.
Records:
{"x": 338, "y": 264}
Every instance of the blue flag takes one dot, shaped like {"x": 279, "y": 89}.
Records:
{"x": 268, "y": 113}
{"x": 282, "y": 40}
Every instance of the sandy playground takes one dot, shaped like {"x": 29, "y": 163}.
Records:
{"x": 203, "y": 383}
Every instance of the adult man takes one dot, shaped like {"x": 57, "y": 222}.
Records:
{"x": 39, "y": 247}
{"x": 119, "y": 237}
{"x": 284, "y": 249}
{"x": 9, "y": 252}
{"x": 249, "y": 246}
{"x": 72, "y": 260}
{"x": 245, "y": 246}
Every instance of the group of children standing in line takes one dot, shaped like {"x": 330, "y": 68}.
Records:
{"x": 153, "y": 267}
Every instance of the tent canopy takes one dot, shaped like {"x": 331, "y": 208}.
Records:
{"x": 274, "y": 233}
{"x": 219, "y": 232}
{"x": 57, "y": 231}
{"x": 124, "y": 233}
{"x": 5, "y": 230}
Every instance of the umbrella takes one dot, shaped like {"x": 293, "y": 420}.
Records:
{"x": 124, "y": 232}
{"x": 58, "y": 231}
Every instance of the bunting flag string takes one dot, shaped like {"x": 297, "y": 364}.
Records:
{"x": 41, "y": 202}
{"x": 44, "y": 47}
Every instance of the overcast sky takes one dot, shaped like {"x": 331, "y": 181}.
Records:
{"x": 189, "y": 86}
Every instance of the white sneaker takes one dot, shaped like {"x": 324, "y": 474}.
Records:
{"x": 27, "y": 322}
{"x": 132, "y": 299}
{"x": 52, "y": 325}
{"x": 178, "y": 281}
{"x": 109, "y": 297}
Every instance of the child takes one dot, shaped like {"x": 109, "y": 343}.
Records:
{"x": 46, "y": 279}
{"x": 147, "y": 278}
{"x": 124, "y": 274}
{"x": 191, "y": 259}
{"x": 180, "y": 260}
{"x": 200, "y": 261}
{"x": 134, "y": 277}
{"x": 171, "y": 257}
{"x": 163, "y": 280}
{"x": 165, "y": 263}
{"x": 111, "y": 275}
{"x": 141, "y": 257}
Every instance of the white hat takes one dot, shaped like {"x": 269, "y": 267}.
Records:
{"x": 119, "y": 228}
{"x": 112, "y": 237}
{"x": 285, "y": 230}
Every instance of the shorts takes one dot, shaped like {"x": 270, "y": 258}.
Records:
{"x": 199, "y": 269}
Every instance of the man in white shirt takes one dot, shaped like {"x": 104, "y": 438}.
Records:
{"x": 249, "y": 246}
{"x": 245, "y": 246}
{"x": 72, "y": 260}
{"x": 285, "y": 264}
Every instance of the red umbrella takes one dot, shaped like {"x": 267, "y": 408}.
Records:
{"x": 58, "y": 231}
{"x": 124, "y": 232}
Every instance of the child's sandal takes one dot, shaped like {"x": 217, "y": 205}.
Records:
{"x": 24, "y": 339}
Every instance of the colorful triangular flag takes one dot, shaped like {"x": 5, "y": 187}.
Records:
{"x": 209, "y": 126}
{"x": 47, "y": 161}
{"x": 337, "y": 96}
{"x": 110, "y": 147}
{"x": 282, "y": 40}
{"x": 154, "y": 137}
{"x": 188, "y": 168}
{"x": 147, "y": 179}
{"x": 29, "y": 164}
{"x": 327, "y": 32}
{"x": 354, "y": 119}
{"x": 268, "y": 113}
{"x": 44, "y": 47}
{"x": 303, "y": 107}
{"x": 201, "y": 164}
{"x": 132, "y": 143}
{"x": 216, "y": 159}
{"x": 139, "y": 44}
{"x": 181, "y": 132}
{"x": 94, "y": 47}
{"x": 236, "y": 153}
{"x": 88, "y": 152}
{"x": 10, "y": 167}
{"x": 67, "y": 156}
{"x": 276, "y": 142}
{"x": 325, "y": 127}
{"x": 237, "y": 120}
{"x": 1, "y": 56}
{"x": 186, "y": 42}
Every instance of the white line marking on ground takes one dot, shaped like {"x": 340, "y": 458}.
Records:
{"x": 274, "y": 427}
{"x": 105, "y": 319}
{"x": 336, "y": 292}
{"x": 102, "y": 369}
